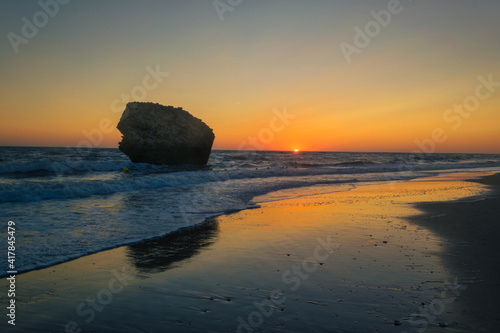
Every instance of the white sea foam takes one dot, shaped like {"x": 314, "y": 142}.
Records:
{"x": 62, "y": 200}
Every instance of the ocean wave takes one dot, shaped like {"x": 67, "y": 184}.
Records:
{"x": 354, "y": 163}
{"x": 330, "y": 165}
{"x": 62, "y": 168}
{"x": 59, "y": 167}
{"x": 146, "y": 177}
{"x": 70, "y": 195}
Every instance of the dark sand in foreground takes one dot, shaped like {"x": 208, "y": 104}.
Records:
{"x": 366, "y": 260}
{"x": 472, "y": 230}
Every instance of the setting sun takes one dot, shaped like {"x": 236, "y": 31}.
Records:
{"x": 283, "y": 138}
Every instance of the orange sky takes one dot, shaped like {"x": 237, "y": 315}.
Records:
{"x": 63, "y": 87}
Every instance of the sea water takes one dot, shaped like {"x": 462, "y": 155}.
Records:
{"x": 69, "y": 202}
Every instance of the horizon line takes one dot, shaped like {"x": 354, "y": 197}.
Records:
{"x": 273, "y": 150}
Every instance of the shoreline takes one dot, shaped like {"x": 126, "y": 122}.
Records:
{"x": 472, "y": 250}
{"x": 262, "y": 199}
{"x": 230, "y": 262}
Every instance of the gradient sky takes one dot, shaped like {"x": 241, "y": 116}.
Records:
{"x": 264, "y": 55}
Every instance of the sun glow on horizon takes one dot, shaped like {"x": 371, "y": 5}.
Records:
{"x": 276, "y": 96}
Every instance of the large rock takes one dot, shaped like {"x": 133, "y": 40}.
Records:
{"x": 157, "y": 134}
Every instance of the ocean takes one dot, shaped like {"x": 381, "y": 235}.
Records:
{"x": 70, "y": 202}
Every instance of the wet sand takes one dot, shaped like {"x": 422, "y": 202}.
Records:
{"x": 471, "y": 228}
{"x": 365, "y": 260}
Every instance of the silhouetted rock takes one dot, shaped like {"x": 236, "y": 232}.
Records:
{"x": 157, "y": 134}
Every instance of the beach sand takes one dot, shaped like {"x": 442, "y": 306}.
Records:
{"x": 471, "y": 229}
{"x": 400, "y": 257}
